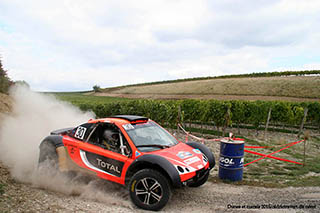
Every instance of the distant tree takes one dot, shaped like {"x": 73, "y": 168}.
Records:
{"x": 22, "y": 83}
{"x": 96, "y": 88}
{"x": 5, "y": 81}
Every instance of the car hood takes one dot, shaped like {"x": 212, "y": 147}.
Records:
{"x": 184, "y": 156}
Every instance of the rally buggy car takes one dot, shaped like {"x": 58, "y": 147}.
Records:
{"x": 133, "y": 151}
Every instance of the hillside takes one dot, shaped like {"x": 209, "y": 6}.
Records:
{"x": 5, "y": 103}
{"x": 294, "y": 88}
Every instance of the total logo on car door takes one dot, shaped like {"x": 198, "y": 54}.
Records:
{"x": 102, "y": 163}
{"x": 92, "y": 154}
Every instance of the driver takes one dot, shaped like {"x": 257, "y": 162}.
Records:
{"x": 110, "y": 139}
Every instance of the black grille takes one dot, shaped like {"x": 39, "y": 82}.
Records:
{"x": 200, "y": 173}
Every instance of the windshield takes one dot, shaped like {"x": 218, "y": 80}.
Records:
{"x": 149, "y": 135}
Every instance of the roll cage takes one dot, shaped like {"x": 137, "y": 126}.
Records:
{"x": 92, "y": 133}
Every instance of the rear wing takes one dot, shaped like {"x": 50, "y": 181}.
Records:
{"x": 132, "y": 118}
{"x": 61, "y": 131}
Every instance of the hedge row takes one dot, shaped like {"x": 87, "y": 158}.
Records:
{"x": 220, "y": 113}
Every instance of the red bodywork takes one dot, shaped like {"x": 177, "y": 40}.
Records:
{"x": 185, "y": 157}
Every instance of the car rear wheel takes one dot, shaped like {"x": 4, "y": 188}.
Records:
{"x": 149, "y": 189}
{"x": 48, "y": 156}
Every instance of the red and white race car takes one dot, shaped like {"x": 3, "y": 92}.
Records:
{"x": 133, "y": 151}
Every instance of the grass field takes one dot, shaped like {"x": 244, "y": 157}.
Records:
{"x": 293, "y": 86}
{"x": 279, "y": 173}
{"x": 78, "y": 98}
{"x": 1, "y": 188}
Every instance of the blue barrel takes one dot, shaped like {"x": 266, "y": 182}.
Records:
{"x": 231, "y": 159}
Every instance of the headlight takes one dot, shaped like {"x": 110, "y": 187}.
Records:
{"x": 183, "y": 169}
{"x": 205, "y": 159}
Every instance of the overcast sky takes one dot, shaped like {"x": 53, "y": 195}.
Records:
{"x": 70, "y": 45}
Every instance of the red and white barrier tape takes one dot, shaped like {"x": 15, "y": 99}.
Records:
{"x": 286, "y": 146}
{"x": 195, "y": 137}
{"x": 270, "y": 155}
{"x": 266, "y": 147}
{"x": 276, "y": 158}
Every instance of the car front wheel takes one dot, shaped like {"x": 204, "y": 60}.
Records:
{"x": 149, "y": 189}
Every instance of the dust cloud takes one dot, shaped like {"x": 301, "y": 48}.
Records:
{"x": 33, "y": 117}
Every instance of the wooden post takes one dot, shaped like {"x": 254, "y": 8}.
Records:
{"x": 257, "y": 130}
{"x": 201, "y": 126}
{"x": 304, "y": 153}
{"x": 303, "y": 121}
{"x": 306, "y": 137}
{"x": 267, "y": 124}
{"x": 227, "y": 117}
{"x": 179, "y": 120}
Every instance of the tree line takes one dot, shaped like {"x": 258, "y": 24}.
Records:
{"x": 5, "y": 81}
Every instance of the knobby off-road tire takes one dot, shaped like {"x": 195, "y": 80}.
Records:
{"x": 200, "y": 182}
{"x": 49, "y": 162}
{"x": 48, "y": 156}
{"x": 149, "y": 189}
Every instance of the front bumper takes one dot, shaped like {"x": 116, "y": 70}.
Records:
{"x": 199, "y": 175}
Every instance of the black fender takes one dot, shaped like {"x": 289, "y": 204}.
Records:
{"x": 205, "y": 150}
{"x": 55, "y": 140}
{"x": 155, "y": 162}
{"x": 48, "y": 147}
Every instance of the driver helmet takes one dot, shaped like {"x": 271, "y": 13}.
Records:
{"x": 111, "y": 137}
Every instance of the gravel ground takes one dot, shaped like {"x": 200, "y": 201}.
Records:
{"x": 101, "y": 196}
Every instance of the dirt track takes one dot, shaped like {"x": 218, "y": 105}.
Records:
{"x": 211, "y": 197}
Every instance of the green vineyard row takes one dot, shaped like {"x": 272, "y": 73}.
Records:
{"x": 220, "y": 113}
